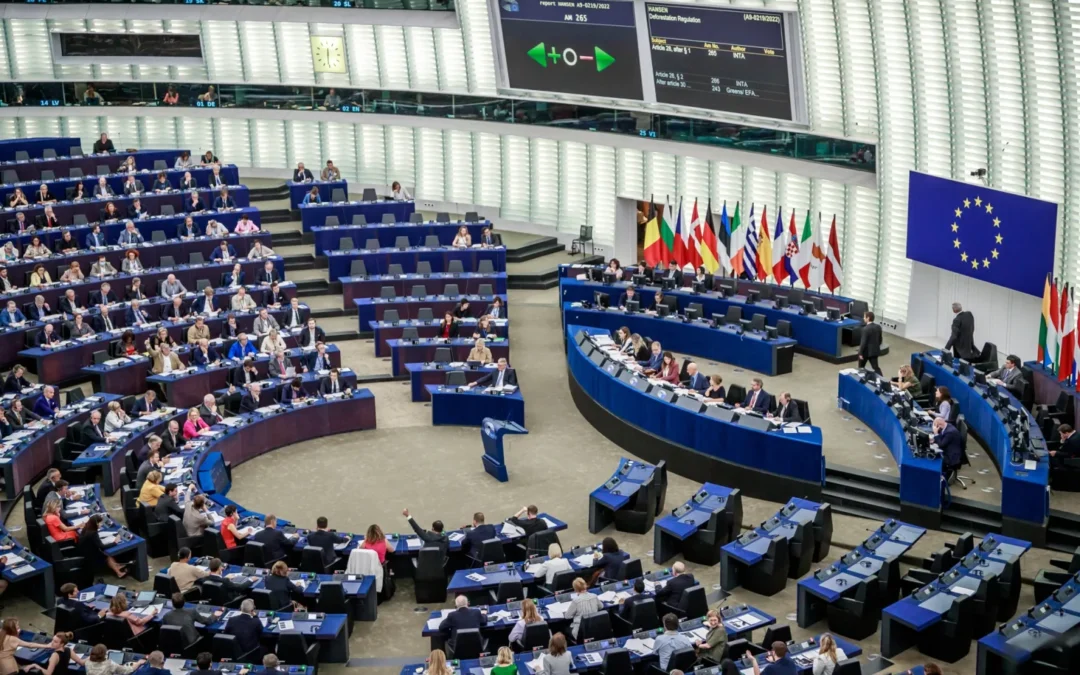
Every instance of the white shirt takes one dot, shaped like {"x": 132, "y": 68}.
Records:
{"x": 166, "y": 365}
{"x": 113, "y": 421}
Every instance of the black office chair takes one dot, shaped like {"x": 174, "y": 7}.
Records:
{"x": 691, "y": 603}
{"x": 628, "y": 569}
{"x": 214, "y": 593}
{"x": 783, "y": 328}
{"x": 642, "y": 616}
{"x": 332, "y": 600}
{"x": 987, "y": 360}
{"x": 823, "y": 529}
{"x": 429, "y": 576}
{"x": 456, "y": 378}
{"x": 757, "y": 322}
{"x": 848, "y": 667}
{"x": 225, "y": 648}
{"x": 264, "y": 600}
{"x": 950, "y": 640}
{"x": 67, "y": 620}
{"x": 214, "y": 545}
{"x": 255, "y": 554}
{"x": 537, "y": 636}
{"x": 293, "y": 648}
{"x": 507, "y": 591}
{"x": 466, "y": 644}
{"x": 616, "y": 662}
{"x": 681, "y": 659}
{"x": 171, "y": 642}
{"x": 776, "y": 634}
{"x": 312, "y": 560}
{"x": 769, "y": 576}
{"x": 117, "y": 635}
{"x": 443, "y": 355}
{"x": 1047, "y": 580}
{"x": 491, "y": 551}
{"x": 595, "y": 626}
{"x": 537, "y": 543}
{"x": 562, "y": 581}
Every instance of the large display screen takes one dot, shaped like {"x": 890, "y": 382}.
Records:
{"x": 721, "y": 59}
{"x": 745, "y": 62}
{"x": 132, "y": 45}
{"x": 573, "y": 47}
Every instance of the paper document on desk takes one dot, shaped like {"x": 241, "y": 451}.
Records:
{"x": 501, "y": 615}
{"x": 87, "y": 596}
{"x": 698, "y": 634}
{"x": 285, "y": 625}
{"x": 78, "y": 522}
{"x": 433, "y": 624}
{"x": 591, "y": 658}
{"x": 414, "y": 543}
{"x": 216, "y": 517}
{"x": 13, "y": 559}
{"x": 511, "y": 530}
{"x": 107, "y": 539}
{"x": 342, "y": 546}
{"x": 456, "y": 536}
{"x": 536, "y": 665}
{"x": 74, "y": 506}
{"x": 22, "y": 569}
{"x": 549, "y": 522}
{"x": 557, "y": 610}
{"x": 612, "y": 596}
{"x": 584, "y": 560}
{"x": 640, "y": 647}
{"x": 476, "y": 577}
{"x": 745, "y": 621}
{"x": 534, "y": 569}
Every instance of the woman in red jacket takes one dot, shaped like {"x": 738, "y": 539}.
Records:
{"x": 669, "y": 369}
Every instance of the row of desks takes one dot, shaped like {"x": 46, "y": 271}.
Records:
{"x": 148, "y": 177}
{"x": 297, "y": 191}
{"x": 125, "y": 546}
{"x": 93, "y": 209}
{"x": 63, "y": 162}
{"x": 384, "y": 331}
{"x": 329, "y": 238}
{"x": 170, "y": 225}
{"x": 379, "y": 261}
{"x": 436, "y": 283}
{"x": 423, "y": 350}
{"x": 1014, "y": 643}
{"x": 315, "y": 215}
{"x": 408, "y": 307}
{"x": 36, "y": 147}
{"x": 813, "y": 332}
{"x": 27, "y": 656}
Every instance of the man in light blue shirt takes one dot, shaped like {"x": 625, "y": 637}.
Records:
{"x": 671, "y": 640}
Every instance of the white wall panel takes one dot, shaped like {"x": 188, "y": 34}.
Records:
{"x": 233, "y": 142}
{"x": 544, "y": 204}
{"x": 371, "y": 153}
{"x": 575, "y": 177}
{"x": 458, "y": 147}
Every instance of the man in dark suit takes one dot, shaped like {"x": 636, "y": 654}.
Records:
{"x": 85, "y": 614}
{"x": 501, "y": 376}
{"x": 694, "y": 379}
{"x": 69, "y": 304}
{"x": 233, "y": 588}
{"x": 757, "y": 398}
{"x": 104, "y": 296}
{"x": 47, "y": 336}
{"x": 186, "y": 618}
{"x": 948, "y": 440}
{"x": 628, "y": 295}
{"x": 92, "y": 431}
{"x": 672, "y": 591}
{"x": 325, "y": 539}
{"x": 275, "y": 297}
{"x": 870, "y": 343}
{"x": 674, "y": 273}
{"x": 302, "y": 175}
{"x": 433, "y": 537}
{"x": 475, "y": 537}
{"x": 249, "y": 402}
{"x": 167, "y": 504}
{"x": 103, "y": 321}
{"x": 246, "y": 628}
{"x": 531, "y": 523}
{"x": 136, "y": 316}
{"x": 962, "y": 337}
{"x": 174, "y": 311}
{"x": 275, "y": 544}
{"x": 1070, "y": 445}
{"x": 639, "y": 596}
{"x": 48, "y": 485}
{"x": 1009, "y": 376}
{"x": 332, "y": 384}
{"x": 311, "y": 335}
{"x": 36, "y": 312}
{"x": 317, "y": 360}
{"x": 268, "y": 275}
{"x": 463, "y": 617}
{"x": 171, "y": 439}
{"x": 245, "y": 374}
{"x": 787, "y": 411}
{"x": 146, "y": 404}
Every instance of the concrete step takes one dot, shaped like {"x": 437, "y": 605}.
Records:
{"x": 542, "y": 272}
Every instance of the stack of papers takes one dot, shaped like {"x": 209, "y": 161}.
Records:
{"x": 557, "y": 610}
{"x": 476, "y": 577}
{"x": 286, "y": 625}
{"x": 511, "y": 530}
{"x": 534, "y": 568}
{"x": 640, "y": 647}
{"x": 612, "y": 596}
{"x": 433, "y": 623}
{"x": 585, "y": 560}
{"x": 454, "y": 536}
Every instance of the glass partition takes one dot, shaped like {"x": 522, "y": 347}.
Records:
{"x": 797, "y": 145}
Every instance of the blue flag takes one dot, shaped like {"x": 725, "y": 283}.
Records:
{"x": 997, "y": 237}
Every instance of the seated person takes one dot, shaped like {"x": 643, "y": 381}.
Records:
{"x": 757, "y": 398}
{"x": 787, "y": 411}
{"x": 715, "y": 390}
{"x": 480, "y": 353}
{"x": 224, "y": 252}
{"x": 669, "y": 369}
{"x": 500, "y": 377}
{"x": 275, "y": 545}
{"x": 694, "y": 379}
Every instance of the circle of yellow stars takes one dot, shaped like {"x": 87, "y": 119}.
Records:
{"x": 998, "y": 239}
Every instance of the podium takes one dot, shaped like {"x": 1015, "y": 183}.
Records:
{"x": 492, "y": 432}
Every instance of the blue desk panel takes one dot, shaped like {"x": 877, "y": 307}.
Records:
{"x": 813, "y": 333}
{"x": 1024, "y": 494}
{"x": 469, "y": 407}
{"x": 1014, "y": 642}
{"x": 407, "y": 307}
{"x": 423, "y": 351}
{"x": 378, "y": 262}
{"x": 35, "y": 147}
{"x": 384, "y": 332}
{"x": 423, "y": 374}
{"x": 314, "y": 215}
{"x": 329, "y": 238}
{"x": 783, "y": 524}
{"x": 371, "y": 286}
{"x": 713, "y": 499}
{"x": 297, "y": 191}
{"x": 201, "y": 175}
{"x": 920, "y": 479}
{"x": 797, "y": 456}
{"x": 725, "y": 344}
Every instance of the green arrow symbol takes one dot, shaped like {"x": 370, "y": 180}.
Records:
{"x": 537, "y": 54}
{"x": 603, "y": 59}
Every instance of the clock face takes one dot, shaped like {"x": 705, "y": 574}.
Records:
{"x": 328, "y": 54}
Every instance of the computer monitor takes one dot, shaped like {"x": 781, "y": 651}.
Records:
{"x": 609, "y": 277}
{"x": 664, "y": 394}
{"x": 752, "y": 296}
{"x": 596, "y": 273}
{"x": 633, "y": 305}
{"x": 770, "y": 333}
{"x": 598, "y": 357}
{"x": 722, "y": 413}
{"x": 781, "y": 301}
{"x": 833, "y": 314}
{"x": 692, "y": 314}
{"x": 663, "y": 309}
{"x": 719, "y": 320}
{"x": 601, "y": 299}
{"x": 808, "y": 307}
{"x": 964, "y": 367}
{"x": 755, "y": 422}
{"x": 668, "y": 284}
{"x": 727, "y": 291}
{"x": 690, "y": 403}
{"x": 699, "y": 287}
{"x": 639, "y": 279}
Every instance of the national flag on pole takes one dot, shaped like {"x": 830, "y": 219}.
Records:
{"x": 1061, "y": 329}
{"x": 764, "y": 258}
{"x": 834, "y": 271}
{"x": 817, "y": 254}
{"x": 749, "y": 254}
{"x": 680, "y": 241}
{"x": 1076, "y": 339}
{"x": 654, "y": 246}
{"x": 738, "y": 241}
{"x": 710, "y": 256}
{"x": 1045, "y": 324}
{"x": 1054, "y": 342}
{"x": 667, "y": 233}
{"x": 780, "y": 242}
{"x": 1068, "y": 343}
{"x": 695, "y": 237}
{"x": 791, "y": 255}
{"x": 723, "y": 238}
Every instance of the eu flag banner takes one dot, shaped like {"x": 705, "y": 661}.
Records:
{"x": 998, "y": 237}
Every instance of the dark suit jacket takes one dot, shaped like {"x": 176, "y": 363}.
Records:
{"x": 530, "y": 525}
{"x": 247, "y": 630}
{"x": 624, "y": 298}
{"x": 43, "y": 491}
{"x": 233, "y": 589}
{"x": 228, "y": 332}
{"x": 325, "y": 540}
{"x": 672, "y": 591}
{"x": 95, "y": 298}
{"x": 431, "y": 538}
{"x": 288, "y": 395}
{"x": 962, "y": 338}
{"x": 92, "y": 434}
{"x": 185, "y": 618}
{"x": 129, "y": 316}
{"x": 36, "y": 314}
{"x": 170, "y": 311}
{"x": 630, "y": 602}
{"x": 238, "y": 378}
{"x": 1070, "y": 447}
{"x": 201, "y": 359}
{"x": 282, "y": 590}
{"x": 275, "y": 545}
{"x": 69, "y": 306}
{"x": 16, "y": 424}
{"x": 272, "y": 298}
{"x": 951, "y": 444}
{"x": 140, "y": 406}
{"x": 462, "y": 618}
{"x": 13, "y": 385}
{"x": 167, "y": 506}
{"x": 305, "y": 337}
{"x": 301, "y": 176}
{"x": 248, "y": 403}
{"x": 309, "y": 360}
{"x": 475, "y": 537}
{"x": 762, "y": 404}
{"x": 325, "y": 386}
{"x": 492, "y": 377}
{"x": 264, "y": 277}
{"x": 789, "y": 413}
{"x": 169, "y": 444}
{"x": 132, "y": 295}
{"x": 698, "y": 382}
{"x": 870, "y": 344}
{"x": 86, "y": 614}
{"x": 676, "y": 274}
